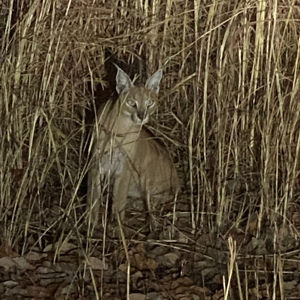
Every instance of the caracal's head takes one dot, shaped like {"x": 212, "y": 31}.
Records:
{"x": 138, "y": 103}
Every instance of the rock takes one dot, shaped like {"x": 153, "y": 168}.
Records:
{"x": 10, "y": 284}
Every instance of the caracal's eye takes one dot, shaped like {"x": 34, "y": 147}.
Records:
{"x": 149, "y": 102}
{"x": 131, "y": 103}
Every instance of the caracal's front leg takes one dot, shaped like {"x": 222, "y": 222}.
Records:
{"x": 94, "y": 194}
{"x": 120, "y": 191}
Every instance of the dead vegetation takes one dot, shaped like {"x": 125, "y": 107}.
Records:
{"x": 229, "y": 113}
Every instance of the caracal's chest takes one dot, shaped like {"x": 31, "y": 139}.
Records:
{"x": 118, "y": 150}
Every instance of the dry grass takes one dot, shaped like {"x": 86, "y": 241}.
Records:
{"x": 230, "y": 107}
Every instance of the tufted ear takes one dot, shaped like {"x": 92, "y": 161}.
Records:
{"x": 154, "y": 81}
{"x": 123, "y": 82}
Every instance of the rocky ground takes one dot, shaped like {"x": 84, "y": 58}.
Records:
{"x": 173, "y": 263}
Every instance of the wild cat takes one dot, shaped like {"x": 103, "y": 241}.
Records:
{"x": 135, "y": 163}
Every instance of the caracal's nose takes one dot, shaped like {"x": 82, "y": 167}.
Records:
{"x": 141, "y": 115}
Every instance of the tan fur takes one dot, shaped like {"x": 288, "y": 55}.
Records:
{"x": 126, "y": 153}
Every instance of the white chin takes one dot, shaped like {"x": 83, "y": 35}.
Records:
{"x": 145, "y": 121}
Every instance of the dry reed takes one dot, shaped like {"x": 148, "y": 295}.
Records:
{"x": 229, "y": 108}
